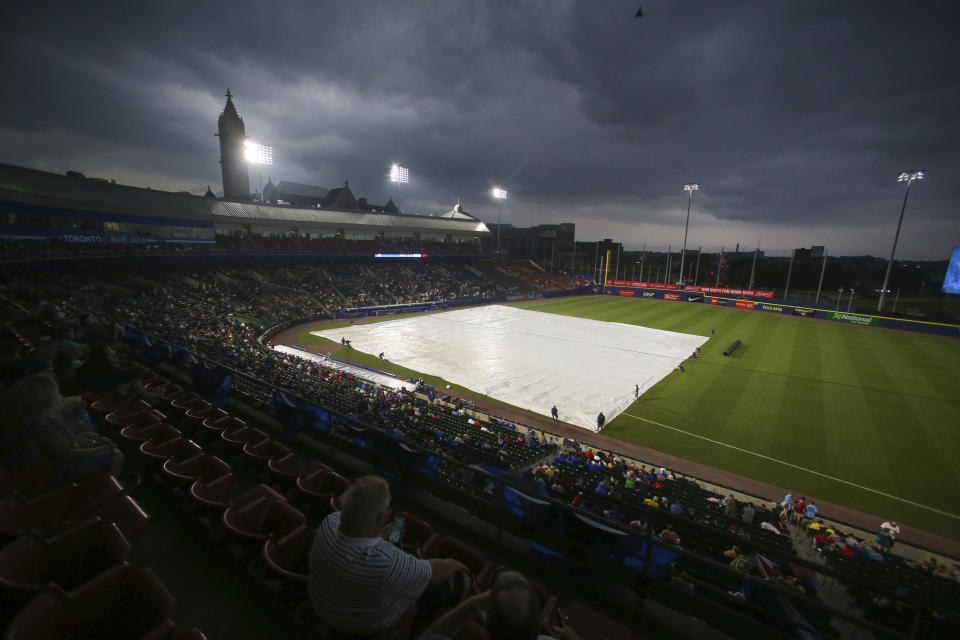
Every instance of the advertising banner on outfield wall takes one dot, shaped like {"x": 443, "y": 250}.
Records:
{"x": 626, "y": 293}
{"x": 641, "y": 285}
{"x": 852, "y": 318}
{"x": 730, "y": 292}
{"x": 649, "y": 294}
{"x": 744, "y": 304}
{"x": 773, "y": 308}
{"x": 671, "y": 296}
{"x": 803, "y": 311}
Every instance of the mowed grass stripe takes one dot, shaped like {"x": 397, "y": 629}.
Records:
{"x": 875, "y": 408}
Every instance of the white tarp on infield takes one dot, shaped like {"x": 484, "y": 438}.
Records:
{"x": 530, "y": 359}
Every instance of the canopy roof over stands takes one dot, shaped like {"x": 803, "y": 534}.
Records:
{"x": 20, "y": 185}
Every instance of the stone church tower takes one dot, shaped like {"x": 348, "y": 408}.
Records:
{"x": 232, "y": 133}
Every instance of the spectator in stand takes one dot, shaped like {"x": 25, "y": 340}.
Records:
{"x": 510, "y": 610}
{"x": 787, "y": 506}
{"x": 360, "y": 583}
{"x": 748, "y": 513}
{"x": 669, "y": 535}
{"x": 799, "y": 510}
{"x": 811, "y": 512}
{"x": 892, "y": 528}
{"x": 35, "y": 433}
{"x": 730, "y": 507}
{"x": 102, "y": 373}
{"x": 884, "y": 539}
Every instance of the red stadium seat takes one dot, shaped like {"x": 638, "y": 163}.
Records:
{"x": 418, "y": 538}
{"x": 179, "y": 449}
{"x": 139, "y": 418}
{"x": 203, "y": 468}
{"x": 262, "y": 452}
{"x": 590, "y": 624}
{"x": 289, "y": 556}
{"x": 134, "y": 436}
{"x": 68, "y": 559}
{"x": 262, "y": 518}
{"x": 122, "y": 603}
{"x": 476, "y": 562}
{"x": 215, "y": 494}
{"x": 55, "y": 509}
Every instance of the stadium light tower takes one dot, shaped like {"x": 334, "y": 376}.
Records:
{"x": 908, "y": 177}
{"x": 258, "y": 154}
{"x": 499, "y": 194}
{"x": 399, "y": 175}
{"x": 689, "y": 188}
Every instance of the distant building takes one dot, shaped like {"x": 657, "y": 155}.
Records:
{"x": 233, "y": 164}
{"x": 812, "y": 252}
{"x": 549, "y": 245}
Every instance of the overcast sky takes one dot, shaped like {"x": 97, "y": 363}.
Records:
{"x": 794, "y": 117}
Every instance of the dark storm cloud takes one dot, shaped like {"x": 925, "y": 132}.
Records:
{"x": 794, "y": 117}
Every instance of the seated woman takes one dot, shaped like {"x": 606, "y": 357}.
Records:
{"x": 36, "y": 433}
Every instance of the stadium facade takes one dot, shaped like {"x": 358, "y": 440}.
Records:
{"x": 74, "y": 209}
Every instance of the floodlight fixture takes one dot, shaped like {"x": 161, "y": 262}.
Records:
{"x": 399, "y": 174}
{"x": 256, "y": 153}
{"x": 693, "y": 186}
{"x": 908, "y": 177}
{"x": 499, "y": 193}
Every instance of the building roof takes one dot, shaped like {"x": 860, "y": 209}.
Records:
{"x": 457, "y": 213}
{"x": 40, "y": 188}
{"x": 285, "y": 187}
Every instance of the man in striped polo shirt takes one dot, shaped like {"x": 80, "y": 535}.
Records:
{"x": 358, "y": 581}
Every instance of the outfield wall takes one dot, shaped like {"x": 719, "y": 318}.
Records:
{"x": 772, "y": 306}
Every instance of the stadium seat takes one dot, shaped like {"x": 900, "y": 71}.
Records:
{"x": 262, "y": 518}
{"x": 197, "y": 415}
{"x": 122, "y": 603}
{"x": 317, "y": 490}
{"x": 68, "y": 559}
{"x": 138, "y": 418}
{"x": 55, "y": 509}
{"x": 216, "y": 494}
{"x": 418, "y": 538}
{"x": 203, "y": 468}
{"x": 289, "y": 556}
{"x": 134, "y": 436}
{"x": 234, "y": 441}
{"x": 179, "y": 449}
{"x": 187, "y": 401}
{"x": 479, "y": 567}
{"x": 590, "y": 624}
{"x": 261, "y": 452}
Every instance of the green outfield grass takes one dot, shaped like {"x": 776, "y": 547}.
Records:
{"x": 861, "y": 406}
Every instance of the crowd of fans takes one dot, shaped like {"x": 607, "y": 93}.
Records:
{"x": 220, "y": 313}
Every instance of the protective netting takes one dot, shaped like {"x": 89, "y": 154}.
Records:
{"x": 530, "y": 359}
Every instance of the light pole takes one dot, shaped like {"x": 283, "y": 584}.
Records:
{"x": 499, "y": 194}
{"x": 908, "y": 177}
{"x": 399, "y": 175}
{"x": 689, "y": 188}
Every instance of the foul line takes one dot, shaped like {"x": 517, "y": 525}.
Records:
{"x": 795, "y": 466}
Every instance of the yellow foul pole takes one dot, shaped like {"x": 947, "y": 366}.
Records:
{"x": 606, "y": 272}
